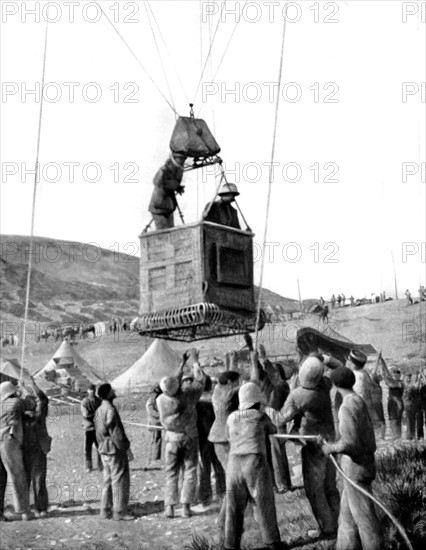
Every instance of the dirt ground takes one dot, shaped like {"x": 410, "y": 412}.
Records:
{"x": 73, "y": 520}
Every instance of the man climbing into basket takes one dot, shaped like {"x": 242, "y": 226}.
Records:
{"x": 167, "y": 182}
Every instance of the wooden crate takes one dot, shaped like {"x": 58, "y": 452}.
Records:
{"x": 189, "y": 264}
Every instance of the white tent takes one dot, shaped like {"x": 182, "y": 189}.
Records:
{"x": 159, "y": 360}
{"x": 10, "y": 370}
{"x": 67, "y": 368}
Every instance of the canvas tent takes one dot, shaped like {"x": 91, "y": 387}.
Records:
{"x": 10, "y": 370}
{"x": 68, "y": 369}
{"x": 159, "y": 360}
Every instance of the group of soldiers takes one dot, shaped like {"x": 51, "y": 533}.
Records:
{"x": 328, "y": 403}
{"x": 406, "y": 398}
{"x": 238, "y": 429}
{"x": 24, "y": 445}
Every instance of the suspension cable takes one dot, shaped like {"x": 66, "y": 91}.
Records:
{"x": 209, "y": 52}
{"x": 168, "y": 52}
{"x": 36, "y": 175}
{"x": 270, "y": 184}
{"x": 137, "y": 60}
{"x": 227, "y": 45}
{"x": 160, "y": 56}
{"x": 211, "y": 68}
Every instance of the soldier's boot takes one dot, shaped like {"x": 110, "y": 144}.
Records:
{"x": 186, "y": 511}
{"x": 169, "y": 511}
{"x": 88, "y": 466}
{"x": 100, "y": 465}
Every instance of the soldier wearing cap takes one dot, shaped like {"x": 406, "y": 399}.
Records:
{"x": 248, "y": 476}
{"x": 222, "y": 211}
{"x": 358, "y": 523}
{"x": 11, "y": 455}
{"x": 113, "y": 448}
{"x": 392, "y": 378}
{"x": 310, "y": 404}
{"x": 178, "y": 416}
{"x": 167, "y": 182}
{"x": 88, "y": 409}
{"x": 363, "y": 384}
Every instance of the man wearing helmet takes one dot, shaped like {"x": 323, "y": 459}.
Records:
{"x": 11, "y": 455}
{"x": 178, "y": 416}
{"x": 222, "y": 211}
{"x": 310, "y": 405}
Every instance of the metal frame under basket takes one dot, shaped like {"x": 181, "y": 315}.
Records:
{"x": 198, "y": 322}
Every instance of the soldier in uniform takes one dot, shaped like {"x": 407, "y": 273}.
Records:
{"x": 358, "y": 523}
{"x": 222, "y": 211}
{"x": 167, "y": 182}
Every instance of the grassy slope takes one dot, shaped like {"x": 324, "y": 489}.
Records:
{"x": 74, "y": 282}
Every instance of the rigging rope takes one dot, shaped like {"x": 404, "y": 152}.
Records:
{"x": 138, "y": 60}
{"x": 168, "y": 52}
{"x": 375, "y": 500}
{"x": 211, "y": 67}
{"x": 224, "y": 54}
{"x": 209, "y": 52}
{"x": 30, "y": 259}
{"x": 160, "y": 57}
{"x": 227, "y": 45}
{"x": 270, "y": 183}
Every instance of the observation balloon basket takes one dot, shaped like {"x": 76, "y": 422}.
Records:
{"x": 196, "y": 282}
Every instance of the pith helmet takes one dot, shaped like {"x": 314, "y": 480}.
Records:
{"x": 6, "y": 390}
{"x": 229, "y": 189}
{"x": 169, "y": 385}
{"x": 248, "y": 395}
{"x": 311, "y": 372}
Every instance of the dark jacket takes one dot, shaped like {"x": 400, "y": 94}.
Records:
{"x": 310, "y": 407}
{"x": 11, "y": 417}
{"x": 35, "y": 429}
{"x": 110, "y": 432}
{"x": 223, "y": 213}
{"x": 166, "y": 182}
{"x": 88, "y": 409}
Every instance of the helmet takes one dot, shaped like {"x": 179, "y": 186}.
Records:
{"x": 311, "y": 372}
{"x": 248, "y": 395}
{"x": 7, "y": 389}
{"x": 169, "y": 385}
{"x": 229, "y": 189}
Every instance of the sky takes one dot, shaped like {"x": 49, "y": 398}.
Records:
{"x": 348, "y": 190}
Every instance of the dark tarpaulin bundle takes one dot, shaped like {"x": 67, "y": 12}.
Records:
{"x": 330, "y": 341}
{"x": 192, "y": 137}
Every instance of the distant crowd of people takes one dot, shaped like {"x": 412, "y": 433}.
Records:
{"x": 341, "y": 301}
{"x": 422, "y": 296}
